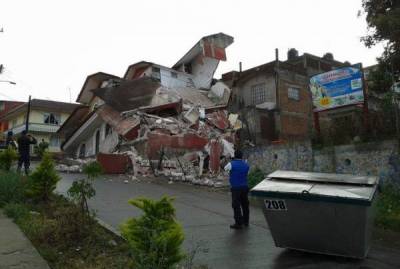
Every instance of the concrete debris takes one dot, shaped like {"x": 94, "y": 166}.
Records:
{"x": 185, "y": 147}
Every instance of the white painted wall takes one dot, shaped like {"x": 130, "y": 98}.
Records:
{"x": 203, "y": 72}
{"x": 107, "y": 144}
{"x": 181, "y": 81}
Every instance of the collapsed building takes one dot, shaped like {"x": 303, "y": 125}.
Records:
{"x": 158, "y": 120}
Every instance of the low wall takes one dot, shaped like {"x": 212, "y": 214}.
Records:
{"x": 380, "y": 159}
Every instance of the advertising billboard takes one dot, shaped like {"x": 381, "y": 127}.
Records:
{"x": 336, "y": 88}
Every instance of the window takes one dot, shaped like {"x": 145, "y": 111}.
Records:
{"x": 2, "y": 106}
{"x": 82, "y": 151}
{"x": 14, "y": 123}
{"x": 108, "y": 130}
{"x": 174, "y": 75}
{"x": 294, "y": 93}
{"x": 50, "y": 118}
{"x": 156, "y": 73}
{"x": 258, "y": 93}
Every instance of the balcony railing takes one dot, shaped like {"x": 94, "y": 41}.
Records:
{"x": 36, "y": 127}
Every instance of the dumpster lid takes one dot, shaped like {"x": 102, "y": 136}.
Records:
{"x": 319, "y": 186}
{"x": 323, "y": 177}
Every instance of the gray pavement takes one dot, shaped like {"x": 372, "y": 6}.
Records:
{"x": 16, "y": 251}
{"x": 206, "y": 216}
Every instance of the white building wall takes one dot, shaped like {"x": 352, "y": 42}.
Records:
{"x": 203, "y": 72}
{"x": 181, "y": 81}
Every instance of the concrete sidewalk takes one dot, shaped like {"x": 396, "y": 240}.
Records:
{"x": 16, "y": 251}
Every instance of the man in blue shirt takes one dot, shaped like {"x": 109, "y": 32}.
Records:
{"x": 238, "y": 170}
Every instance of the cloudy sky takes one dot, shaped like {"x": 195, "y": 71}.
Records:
{"x": 49, "y": 47}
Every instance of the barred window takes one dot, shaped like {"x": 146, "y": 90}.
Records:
{"x": 258, "y": 93}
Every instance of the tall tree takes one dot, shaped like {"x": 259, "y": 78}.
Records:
{"x": 383, "y": 20}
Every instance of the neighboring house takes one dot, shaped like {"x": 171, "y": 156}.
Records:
{"x": 148, "y": 87}
{"x": 273, "y": 99}
{"x": 45, "y": 119}
{"x": 5, "y": 107}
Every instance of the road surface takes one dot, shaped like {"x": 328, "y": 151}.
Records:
{"x": 206, "y": 216}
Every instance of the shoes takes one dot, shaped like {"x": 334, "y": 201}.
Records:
{"x": 236, "y": 226}
{"x": 246, "y": 225}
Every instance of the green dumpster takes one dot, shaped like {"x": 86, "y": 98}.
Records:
{"x": 319, "y": 212}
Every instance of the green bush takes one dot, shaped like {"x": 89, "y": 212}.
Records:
{"x": 155, "y": 237}
{"x": 92, "y": 170}
{"x": 82, "y": 190}
{"x": 388, "y": 208}
{"x": 255, "y": 176}
{"x": 12, "y": 188}
{"x": 43, "y": 180}
{"x": 41, "y": 149}
{"x": 7, "y": 158}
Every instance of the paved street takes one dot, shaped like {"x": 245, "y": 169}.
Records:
{"x": 206, "y": 215}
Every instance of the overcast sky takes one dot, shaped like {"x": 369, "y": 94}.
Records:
{"x": 49, "y": 47}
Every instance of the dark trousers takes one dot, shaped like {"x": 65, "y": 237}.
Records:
{"x": 25, "y": 160}
{"x": 240, "y": 205}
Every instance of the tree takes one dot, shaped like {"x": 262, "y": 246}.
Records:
{"x": 383, "y": 20}
{"x": 43, "y": 180}
{"x": 155, "y": 237}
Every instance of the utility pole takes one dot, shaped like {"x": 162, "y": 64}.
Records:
{"x": 27, "y": 115}
{"x": 396, "y": 105}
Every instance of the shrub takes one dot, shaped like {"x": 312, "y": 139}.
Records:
{"x": 92, "y": 170}
{"x": 82, "y": 190}
{"x": 12, "y": 188}
{"x": 41, "y": 149}
{"x": 7, "y": 158}
{"x": 388, "y": 208}
{"x": 155, "y": 237}
{"x": 255, "y": 176}
{"x": 43, "y": 180}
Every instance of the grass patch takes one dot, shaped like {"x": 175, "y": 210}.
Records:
{"x": 12, "y": 188}
{"x": 388, "y": 208}
{"x": 55, "y": 229}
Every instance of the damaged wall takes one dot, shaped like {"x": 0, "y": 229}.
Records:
{"x": 203, "y": 69}
{"x": 109, "y": 142}
{"x": 174, "y": 79}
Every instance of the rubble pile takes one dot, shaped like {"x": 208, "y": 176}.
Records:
{"x": 69, "y": 165}
{"x": 189, "y": 147}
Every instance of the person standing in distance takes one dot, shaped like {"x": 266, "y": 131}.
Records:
{"x": 10, "y": 142}
{"x": 24, "y": 142}
{"x": 238, "y": 170}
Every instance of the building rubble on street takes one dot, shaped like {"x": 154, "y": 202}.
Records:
{"x": 157, "y": 120}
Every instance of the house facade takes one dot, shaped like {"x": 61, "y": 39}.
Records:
{"x": 45, "y": 119}
{"x": 274, "y": 100}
